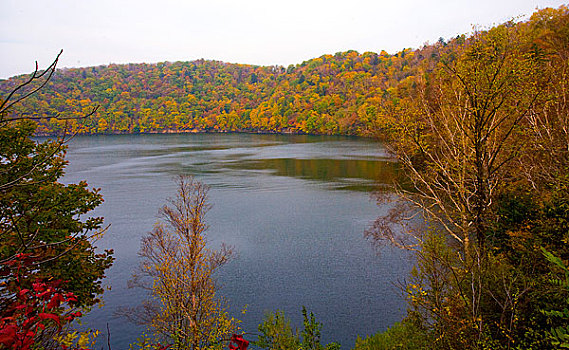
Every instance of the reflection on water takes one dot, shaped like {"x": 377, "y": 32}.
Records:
{"x": 341, "y": 163}
{"x": 369, "y": 172}
{"x": 294, "y": 208}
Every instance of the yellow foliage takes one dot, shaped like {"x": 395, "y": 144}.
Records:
{"x": 187, "y": 310}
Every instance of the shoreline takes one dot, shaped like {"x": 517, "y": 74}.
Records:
{"x": 198, "y": 131}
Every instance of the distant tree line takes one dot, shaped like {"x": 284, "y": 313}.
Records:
{"x": 332, "y": 94}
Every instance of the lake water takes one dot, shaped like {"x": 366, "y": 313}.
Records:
{"x": 294, "y": 207}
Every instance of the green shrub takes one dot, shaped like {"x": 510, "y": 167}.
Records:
{"x": 403, "y": 335}
{"x": 277, "y": 334}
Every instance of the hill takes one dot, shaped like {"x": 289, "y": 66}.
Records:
{"x": 332, "y": 94}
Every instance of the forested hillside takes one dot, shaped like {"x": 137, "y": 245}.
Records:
{"x": 332, "y": 94}
{"x": 483, "y": 138}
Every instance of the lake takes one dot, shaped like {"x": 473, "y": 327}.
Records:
{"x": 293, "y": 207}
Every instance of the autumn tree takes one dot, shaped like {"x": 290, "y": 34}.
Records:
{"x": 459, "y": 130}
{"x": 548, "y": 123}
{"x": 178, "y": 270}
{"x": 41, "y": 218}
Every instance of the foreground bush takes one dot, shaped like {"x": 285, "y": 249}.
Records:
{"x": 403, "y": 335}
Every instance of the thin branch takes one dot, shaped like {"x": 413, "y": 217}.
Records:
{"x": 6, "y": 105}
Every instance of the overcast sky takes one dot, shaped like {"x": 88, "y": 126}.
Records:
{"x": 262, "y": 32}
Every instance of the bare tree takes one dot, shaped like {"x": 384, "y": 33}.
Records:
{"x": 34, "y": 83}
{"x": 178, "y": 270}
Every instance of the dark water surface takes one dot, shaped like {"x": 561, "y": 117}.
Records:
{"x": 294, "y": 207}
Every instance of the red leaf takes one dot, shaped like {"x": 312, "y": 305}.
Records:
{"x": 55, "y": 301}
{"x": 8, "y": 335}
{"x": 242, "y": 344}
{"x": 6, "y": 319}
{"x": 38, "y": 286}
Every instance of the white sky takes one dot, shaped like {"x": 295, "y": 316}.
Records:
{"x": 262, "y": 32}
